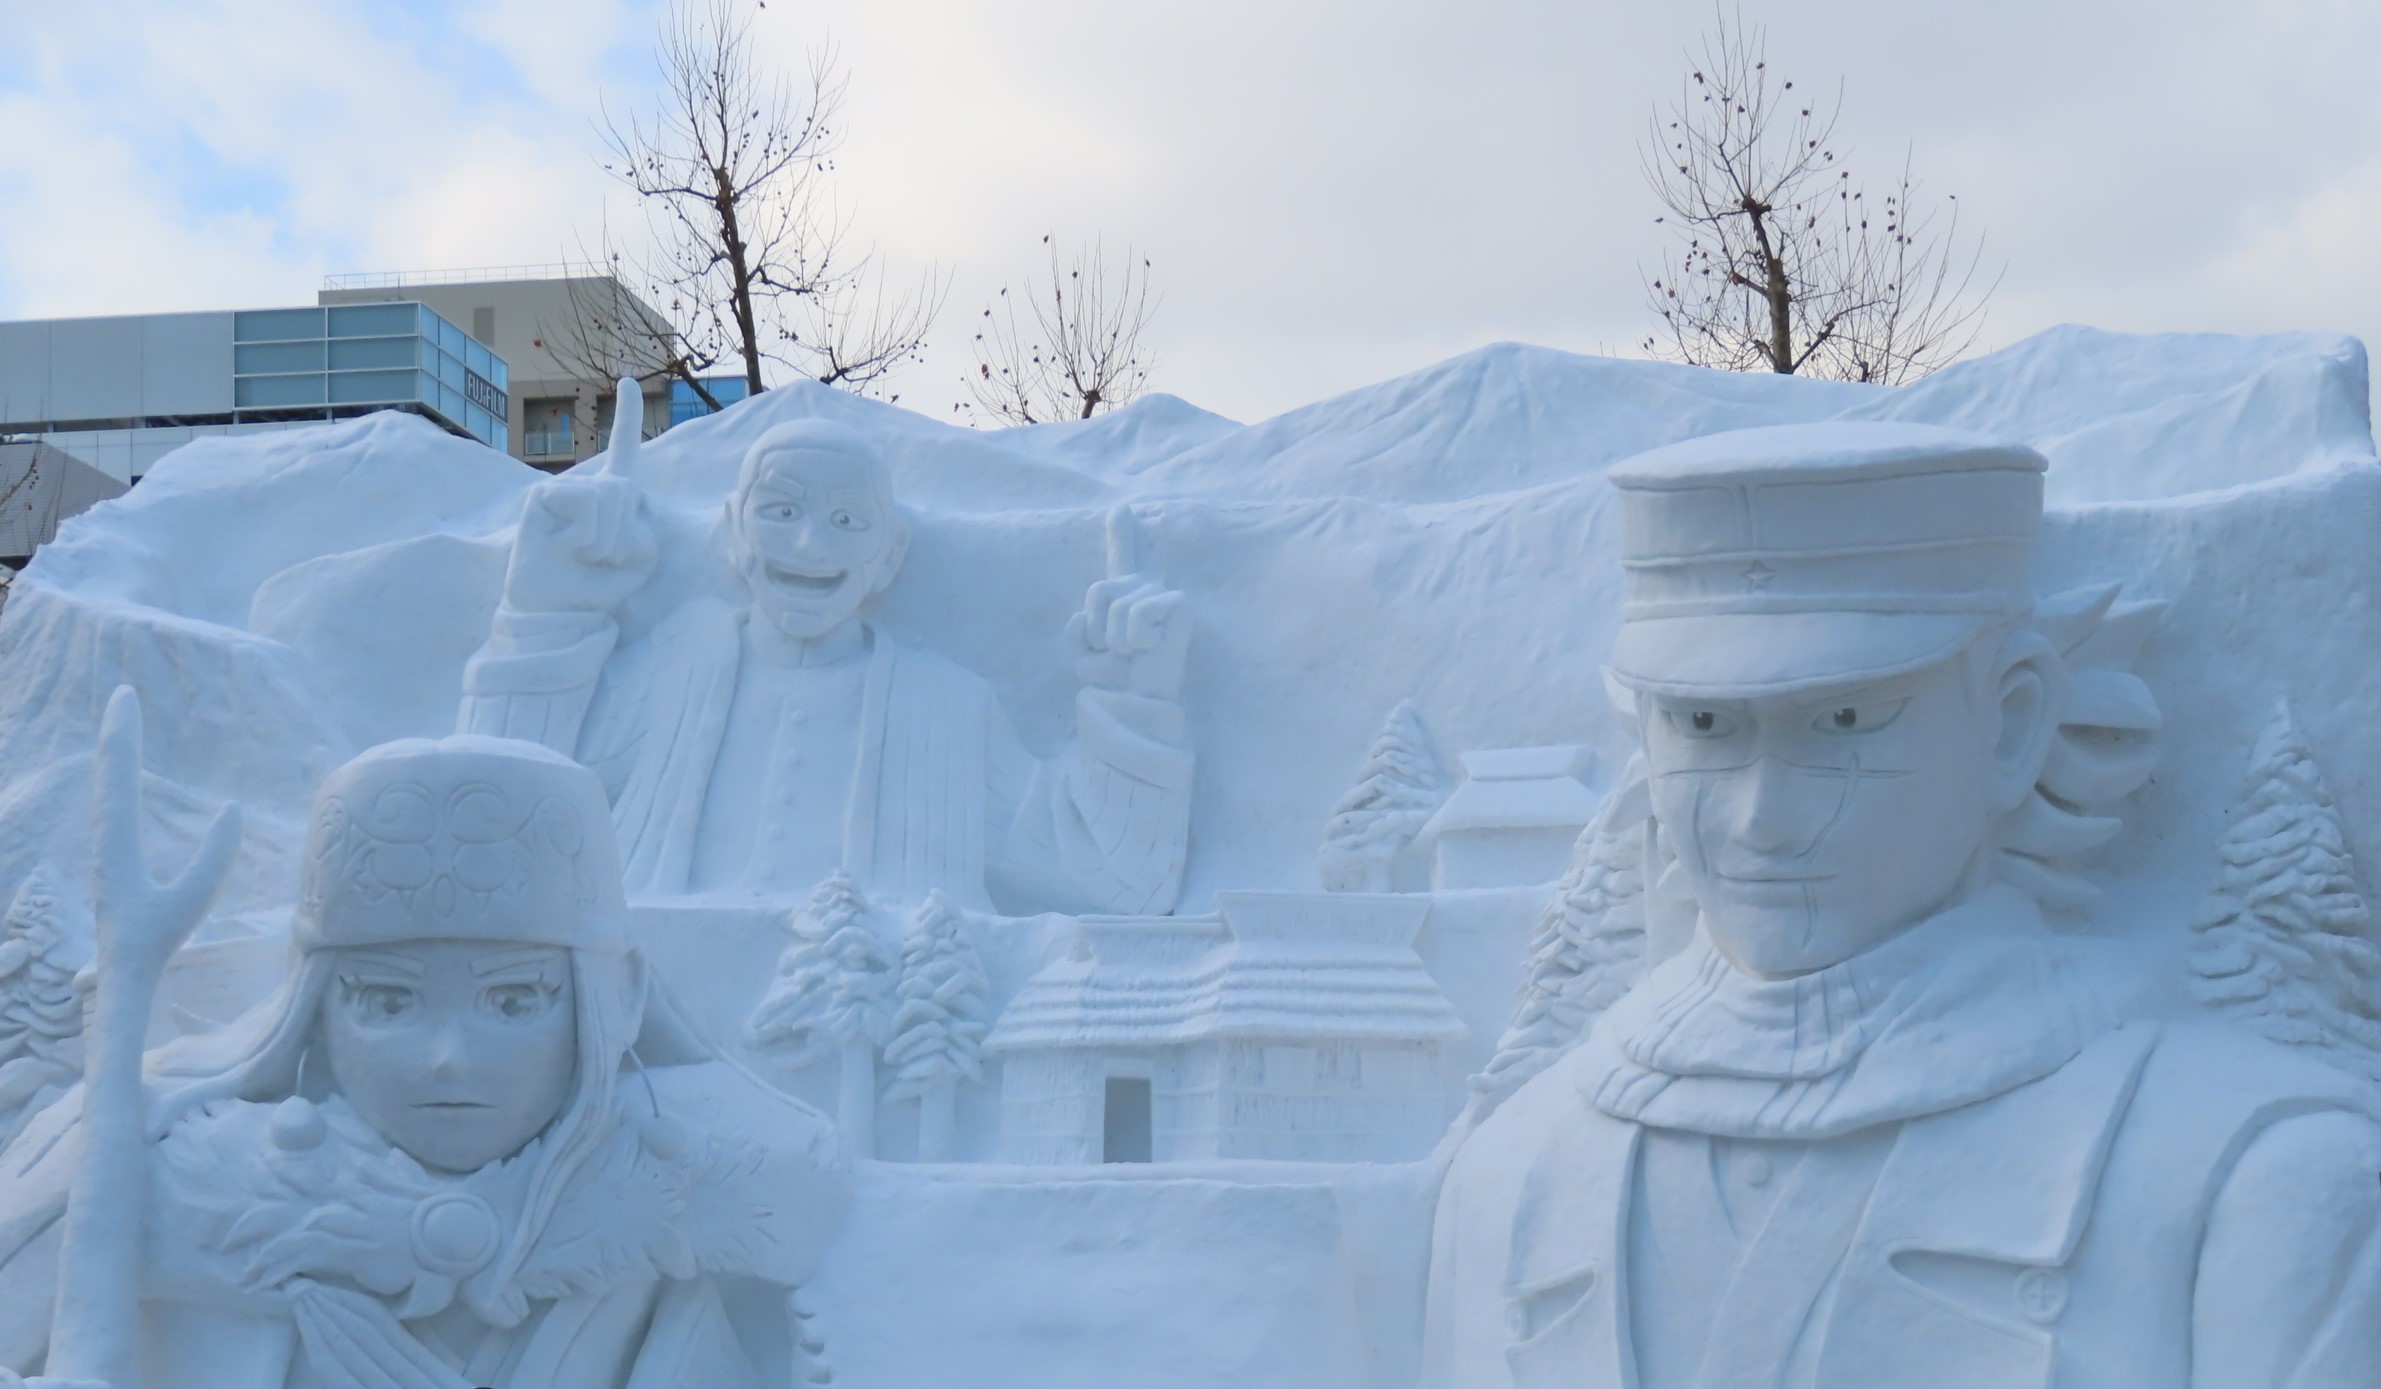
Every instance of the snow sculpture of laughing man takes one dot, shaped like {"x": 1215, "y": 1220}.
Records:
{"x": 1871, "y": 1125}
{"x": 469, "y": 1143}
{"x": 761, "y": 748}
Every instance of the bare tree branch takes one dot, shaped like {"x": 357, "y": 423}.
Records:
{"x": 1784, "y": 263}
{"x": 1079, "y": 350}
{"x": 732, "y": 171}
{"x": 611, "y": 332}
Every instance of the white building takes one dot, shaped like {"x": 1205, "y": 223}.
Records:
{"x": 120, "y": 393}
{"x": 1289, "y": 1025}
{"x": 550, "y": 324}
{"x": 1513, "y": 820}
{"x": 39, "y": 487}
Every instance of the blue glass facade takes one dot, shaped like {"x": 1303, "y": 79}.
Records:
{"x": 398, "y": 355}
{"x": 686, "y": 405}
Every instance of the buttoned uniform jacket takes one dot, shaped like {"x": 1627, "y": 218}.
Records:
{"x": 2176, "y": 1208}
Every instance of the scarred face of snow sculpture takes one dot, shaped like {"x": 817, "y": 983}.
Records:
{"x": 758, "y": 748}
{"x": 467, "y": 1144}
{"x": 1812, "y": 825}
{"x": 1872, "y": 1121}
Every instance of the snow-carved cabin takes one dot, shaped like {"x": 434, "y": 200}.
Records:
{"x": 1512, "y": 821}
{"x": 1295, "y": 1026}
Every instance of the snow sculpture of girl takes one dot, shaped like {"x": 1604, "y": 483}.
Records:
{"x": 468, "y": 1144}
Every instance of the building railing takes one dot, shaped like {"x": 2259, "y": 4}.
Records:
{"x": 397, "y": 279}
{"x": 545, "y": 443}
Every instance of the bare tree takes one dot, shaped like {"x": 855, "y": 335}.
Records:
{"x": 1785, "y": 262}
{"x": 750, "y": 252}
{"x": 611, "y": 330}
{"x": 1079, "y": 349}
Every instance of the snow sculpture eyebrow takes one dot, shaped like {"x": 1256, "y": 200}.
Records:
{"x": 516, "y": 958}
{"x": 395, "y": 964}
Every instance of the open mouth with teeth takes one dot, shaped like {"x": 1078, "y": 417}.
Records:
{"x": 797, "y": 582}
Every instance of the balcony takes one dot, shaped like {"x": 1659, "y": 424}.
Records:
{"x": 546, "y": 443}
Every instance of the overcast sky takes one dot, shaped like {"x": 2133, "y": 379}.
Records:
{"x": 1332, "y": 192}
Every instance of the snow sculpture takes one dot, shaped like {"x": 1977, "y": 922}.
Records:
{"x": 467, "y": 1144}
{"x": 833, "y": 997}
{"x": 938, "y": 1031}
{"x": 1587, "y": 950}
{"x": 1290, "y": 1025}
{"x": 2286, "y": 943}
{"x": 1511, "y": 820}
{"x": 759, "y": 745}
{"x": 41, "y": 1008}
{"x": 1872, "y": 1125}
{"x": 1394, "y": 795}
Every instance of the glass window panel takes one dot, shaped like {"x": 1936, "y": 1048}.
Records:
{"x": 349, "y": 353}
{"x": 479, "y": 359}
{"x": 425, "y": 388}
{"x": 427, "y": 323}
{"x": 500, "y": 375}
{"x": 450, "y": 401}
{"x": 451, "y": 337}
{"x": 476, "y": 420}
{"x": 250, "y": 358}
{"x": 269, "y": 325}
{"x": 348, "y": 387}
{"x": 450, "y": 371}
{"x": 278, "y": 390}
{"x": 371, "y": 320}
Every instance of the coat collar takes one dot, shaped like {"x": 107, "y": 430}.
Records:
{"x": 1969, "y": 1004}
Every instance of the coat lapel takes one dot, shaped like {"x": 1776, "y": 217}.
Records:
{"x": 1789, "y": 1264}
{"x": 1566, "y": 1308}
{"x": 1955, "y": 1276}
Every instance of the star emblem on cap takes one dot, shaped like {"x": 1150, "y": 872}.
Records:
{"x": 1757, "y": 576}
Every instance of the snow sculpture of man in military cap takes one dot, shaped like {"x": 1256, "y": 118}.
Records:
{"x": 468, "y": 1143}
{"x": 765, "y": 746}
{"x": 1871, "y": 1124}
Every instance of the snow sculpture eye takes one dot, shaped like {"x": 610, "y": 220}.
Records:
{"x": 1859, "y": 718}
{"x": 516, "y": 1002}
{"x": 847, "y": 521}
{"x": 1696, "y": 722}
{"x": 380, "y": 1003}
{"x": 781, "y": 511}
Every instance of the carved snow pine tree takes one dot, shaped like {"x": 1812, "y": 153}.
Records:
{"x": 41, "y": 1010}
{"x": 832, "y": 997}
{"x": 1589, "y": 945}
{"x": 2286, "y": 944}
{"x": 1399, "y": 787}
{"x": 944, "y": 1013}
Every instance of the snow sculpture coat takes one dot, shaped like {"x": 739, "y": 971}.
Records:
{"x": 624, "y": 1287}
{"x": 942, "y": 793}
{"x": 2175, "y": 1208}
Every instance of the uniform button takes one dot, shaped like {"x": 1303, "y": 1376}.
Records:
{"x": 2041, "y": 1295}
{"x": 1753, "y": 1169}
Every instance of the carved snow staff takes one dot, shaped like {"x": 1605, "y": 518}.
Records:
{"x": 470, "y": 1142}
{"x": 1867, "y": 1119}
